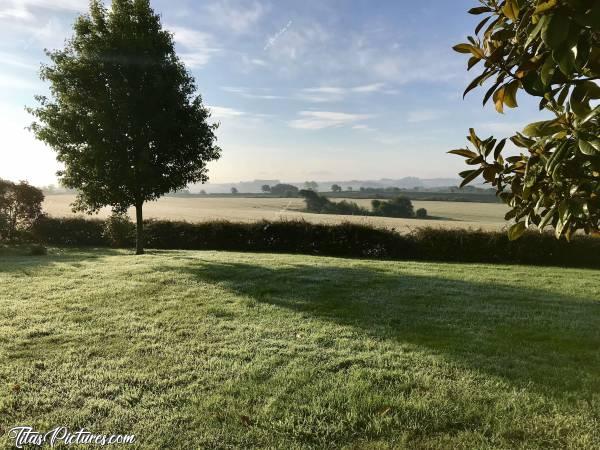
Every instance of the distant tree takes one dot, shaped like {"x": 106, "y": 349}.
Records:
{"x": 421, "y": 213}
{"x": 320, "y": 204}
{"x": 314, "y": 202}
{"x": 202, "y": 192}
{"x": 266, "y": 188}
{"x": 336, "y": 188}
{"x": 311, "y": 186}
{"x": 349, "y": 188}
{"x": 397, "y": 207}
{"x": 123, "y": 113}
{"x": 234, "y": 191}
{"x": 550, "y": 50}
{"x": 284, "y": 190}
{"x": 20, "y": 206}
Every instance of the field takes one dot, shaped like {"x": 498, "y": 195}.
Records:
{"x": 488, "y": 216}
{"x": 227, "y": 350}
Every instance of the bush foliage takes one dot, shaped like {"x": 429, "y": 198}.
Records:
{"x": 346, "y": 240}
{"x": 550, "y": 50}
{"x": 20, "y": 207}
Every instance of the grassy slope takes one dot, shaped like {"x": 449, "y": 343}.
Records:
{"x": 208, "y": 349}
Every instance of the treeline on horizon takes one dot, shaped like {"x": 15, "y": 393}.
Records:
{"x": 397, "y": 207}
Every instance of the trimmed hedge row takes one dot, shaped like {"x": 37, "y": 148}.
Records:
{"x": 348, "y": 240}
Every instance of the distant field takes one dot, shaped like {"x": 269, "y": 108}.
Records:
{"x": 463, "y": 215}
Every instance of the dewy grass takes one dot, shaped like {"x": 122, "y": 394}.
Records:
{"x": 228, "y": 350}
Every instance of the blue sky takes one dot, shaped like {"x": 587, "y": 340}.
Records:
{"x": 311, "y": 89}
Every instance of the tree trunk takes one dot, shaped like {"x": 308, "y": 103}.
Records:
{"x": 139, "y": 230}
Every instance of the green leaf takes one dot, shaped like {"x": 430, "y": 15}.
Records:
{"x": 511, "y": 10}
{"x": 475, "y": 83}
{"x": 516, "y": 231}
{"x": 546, "y": 6}
{"x": 462, "y": 48}
{"x": 499, "y": 148}
{"x": 580, "y": 99}
{"x": 548, "y": 71}
{"x": 510, "y": 94}
{"x": 556, "y": 30}
{"x": 479, "y": 10}
{"x": 469, "y": 175}
{"x": 565, "y": 58}
{"x": 543, "y": 128}
{"x": 586, "y": 147}
{"x": 482, "y": 24}
{"x": 536, "y": 31}
{"x": 473, "y": 61}
{"x": 464, "y": 152}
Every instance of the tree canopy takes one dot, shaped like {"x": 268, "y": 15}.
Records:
{"x": 547, "y": 49}
{"x": 123, "y": 114}
{"x": 20, "y": 206}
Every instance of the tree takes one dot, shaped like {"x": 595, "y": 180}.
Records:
{"x": 123, "y": 114}
{"x": 284, "y": 190}
{"x": 20, "y": 207}
{"x": 550, "y": 50}
{"x": 266, "y": 188}
{"x": 397, "y": 207}
{"x": 336, "y": 188}
{"x": 311, "y": 186}
{"x": 234, "y": 191}
{"x": 421, "y": 213}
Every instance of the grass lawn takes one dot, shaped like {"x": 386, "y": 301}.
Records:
{"x": 228, "y": 350}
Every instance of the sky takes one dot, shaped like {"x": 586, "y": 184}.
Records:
{"x": 304, "y": 90}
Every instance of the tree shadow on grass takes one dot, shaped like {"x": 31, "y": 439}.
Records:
{"x": 529, "y": 337}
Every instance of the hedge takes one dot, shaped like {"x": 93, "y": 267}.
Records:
{"x": 346, "y": 239}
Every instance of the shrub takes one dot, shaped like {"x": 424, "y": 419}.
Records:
{"x": 284, "y": 190}
{"x": 347, "y": 240}
{"x": 397, "y": 207}
{"x": 421, "y": 213}
{"x": 119, "y": 230}
{"x": 75, "y": 231}
{"x": 20, "y": 206}
{"x": 38, "y": 250}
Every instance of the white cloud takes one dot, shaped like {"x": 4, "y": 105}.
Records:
{"x": 223, "y": 112}
{"x": 273, "y": 39}
{"x": 318, "y": 120}
{"x": 261, "y": 94}
{"x": 375, "y": 87}
{"x": 363, "y": 127}
{"x": 21, "y": 8}
{"x": 325, "y": 94}
{"x": 423, "y": 115}
{"x": 503, "y": 128}
{"x": 197, "y": 46}
{"x": 236, "y": 16}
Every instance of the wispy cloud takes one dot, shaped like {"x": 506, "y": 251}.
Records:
{"x": 197, "y": 45}
{"x": 223, "y": 112}
{"x": 318, "y": 120}
{"x": 274, "y": 38}
{"x": 363, "y": 127}
{"x": 16, "y": 7}
{"x": 263, "y": 94}
{"x": 423, "y": 115}
{"x": 325, "y": 94}
{"x": 502, "y": 128}
{"x": 236, "y": 16}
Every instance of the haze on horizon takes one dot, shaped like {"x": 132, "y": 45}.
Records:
{"x": 304, "y": 91}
